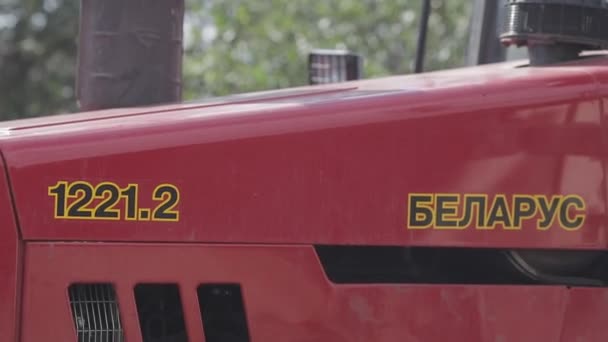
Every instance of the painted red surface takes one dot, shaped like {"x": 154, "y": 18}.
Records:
{"x": 334, "y": 167}
{"x": 288, "y": 298}
{"x": 264, "y": 177}
{"x": 9, "y": 266}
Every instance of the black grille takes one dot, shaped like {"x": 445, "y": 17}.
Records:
{"x": 95, "y": 312}
{"x": 223, "y": 313}
{"x": 161, "y": 314}
{"x": 583, "y": 22}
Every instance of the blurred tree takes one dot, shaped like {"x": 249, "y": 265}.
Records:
{"x": 37, "y": 57}
{"x": 231, "y": 46}
{"x": 237, "y": 46}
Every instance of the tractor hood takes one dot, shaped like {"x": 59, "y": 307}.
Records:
{"x": 430, "y": 159}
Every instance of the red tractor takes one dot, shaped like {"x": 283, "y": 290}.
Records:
{"x": 465, "y": 205}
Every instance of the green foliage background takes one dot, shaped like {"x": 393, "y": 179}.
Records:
{"x": 231, "y": 46}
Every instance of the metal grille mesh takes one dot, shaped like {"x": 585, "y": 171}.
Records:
{"x": 95, "y": 312}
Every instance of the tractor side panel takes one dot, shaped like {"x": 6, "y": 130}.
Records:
{"x": 9, "y": 262}
{"x": 598, "y": 69}
{"x": 338, "y": 171}
{"x": 287, "y": 297}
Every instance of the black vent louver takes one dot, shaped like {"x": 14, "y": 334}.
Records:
{"x": 161, "y": 313}
{"x": 95, "y": 313}
{"x": 582, "y": 22}
{"x": 223, "y": 313}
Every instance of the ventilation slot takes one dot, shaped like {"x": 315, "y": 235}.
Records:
{"x": 223, "y": 313}
{"x": 95, "y": 312}
{"x": 478, "y": 266}
{"x": 161, "y": 315}
{"x": 417, "y": 265}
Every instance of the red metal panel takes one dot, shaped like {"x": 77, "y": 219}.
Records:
{"x": 9, "y": 263}
{"x": 336, "y": 170}
{"x": 596, "y": 68}
{"x": 62, "y": 119}
{"x": 288, "y": 298}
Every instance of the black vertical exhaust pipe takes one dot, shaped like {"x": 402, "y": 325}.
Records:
{"x": 130, "y": 53}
